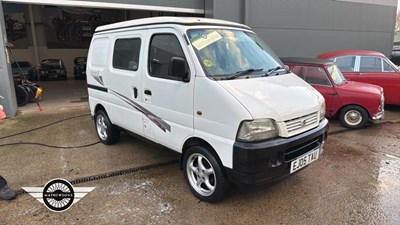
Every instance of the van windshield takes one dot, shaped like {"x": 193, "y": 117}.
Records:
{"x": 225, "y": 53}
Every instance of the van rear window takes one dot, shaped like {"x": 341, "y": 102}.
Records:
{"x": 99, "y": 48}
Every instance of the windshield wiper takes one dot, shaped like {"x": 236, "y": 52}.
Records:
{"x": 272, "y": 70}
{"x": 241, "y": 73}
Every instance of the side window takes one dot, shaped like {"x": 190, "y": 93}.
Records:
{"x": 126, "y": 54}
{"x": 346, "y": 63}
{"x": 387, "y": 67}
{"x": 312, "y": 75}
{"x": 370, "y": 64}
{"x": 99, "y": 49}
{"x": 162, "y": 48}
{"x": 299, "y": 71}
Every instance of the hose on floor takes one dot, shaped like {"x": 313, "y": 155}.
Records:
{"x": 46, "y": 145}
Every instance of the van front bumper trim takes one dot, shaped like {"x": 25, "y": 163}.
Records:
{"x": 265, "y": 162}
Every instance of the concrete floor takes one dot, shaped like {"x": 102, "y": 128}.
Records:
{"x": 356, "y": 180}
{"x": 60, "y": 94}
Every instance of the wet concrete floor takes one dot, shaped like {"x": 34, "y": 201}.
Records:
{"x": 356, "y": 180}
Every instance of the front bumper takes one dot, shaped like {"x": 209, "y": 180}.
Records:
{"x": 379, "y": 115}
{"x": 52, "y": 73}
{"x": 265, "y": 162}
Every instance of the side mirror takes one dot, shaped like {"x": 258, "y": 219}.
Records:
{"x": 177, "y": 68}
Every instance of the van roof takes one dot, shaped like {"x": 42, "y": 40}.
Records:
{"x": 187, "y": 21}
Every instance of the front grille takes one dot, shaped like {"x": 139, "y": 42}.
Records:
{"x": 301, "y": 122}
{"x": 302, "y": 149}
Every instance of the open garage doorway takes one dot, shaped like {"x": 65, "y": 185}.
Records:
{"x": 51, "y": 42}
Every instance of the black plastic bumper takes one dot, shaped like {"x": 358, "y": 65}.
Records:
{"x": 265, "y": 162}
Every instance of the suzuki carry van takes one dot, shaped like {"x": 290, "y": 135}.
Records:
{"x": 210, "y": 90}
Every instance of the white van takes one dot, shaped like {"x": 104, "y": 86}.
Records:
{"x": 209, "y": 89}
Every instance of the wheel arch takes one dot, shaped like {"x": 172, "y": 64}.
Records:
{"x": 99, "y": 107}
{"x": 196, "y": 141}
{"x": 352, "y": 104}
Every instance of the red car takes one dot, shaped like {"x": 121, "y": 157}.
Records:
{"x": 369, "y": 67}
{"x": 352, "y": 102}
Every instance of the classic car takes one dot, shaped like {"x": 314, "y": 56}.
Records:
{"x": 353, "y": 103}
{"x": 369, "y": 67}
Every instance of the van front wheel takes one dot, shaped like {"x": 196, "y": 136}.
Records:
{"x": 106, "y": 131}
{"x": 205, "y": 175}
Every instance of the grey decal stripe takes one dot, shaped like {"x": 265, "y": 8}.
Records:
{"x": 99, "y": 79}
{"x": 155, "y": 119}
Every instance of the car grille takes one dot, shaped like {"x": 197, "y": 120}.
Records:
{"x": 299, "y": 150}
{"x": 298, "y": 123}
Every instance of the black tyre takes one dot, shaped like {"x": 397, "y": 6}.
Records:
{"x": 205, "y": 175}
{"x": 353, "y": 116}
{"x": 22, "y": 95}
{"x": 106, "y": 131}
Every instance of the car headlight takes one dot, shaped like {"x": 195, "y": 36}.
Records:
{"x": 322, "y": 111}
{"x": 257, "y": 130}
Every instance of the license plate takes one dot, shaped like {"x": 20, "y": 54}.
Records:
{"x": 304, "y": 160}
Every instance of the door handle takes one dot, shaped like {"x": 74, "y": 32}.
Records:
{"x": 135, "y": 93}
{"x": 147, "y": 92}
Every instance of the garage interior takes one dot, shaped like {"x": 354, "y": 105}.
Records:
{"x": 64, "y": 31}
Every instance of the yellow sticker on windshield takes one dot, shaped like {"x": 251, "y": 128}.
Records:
{"x": 207, "y": 63}
{"x": 206, "y": 40}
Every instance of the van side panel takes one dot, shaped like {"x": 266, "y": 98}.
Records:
{"x": 125, "y": 66}
{"x": 96, "y": 72}
{"x": 220, "y": 119}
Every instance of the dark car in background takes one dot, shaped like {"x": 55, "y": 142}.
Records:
{"x": 80, "y": 68}
{"x": 52, "y": 68}
{"x": 24, "y": 69}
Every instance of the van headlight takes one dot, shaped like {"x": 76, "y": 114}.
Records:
{"x": 257, "y": 130}
{"x": 322, "y": 111}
